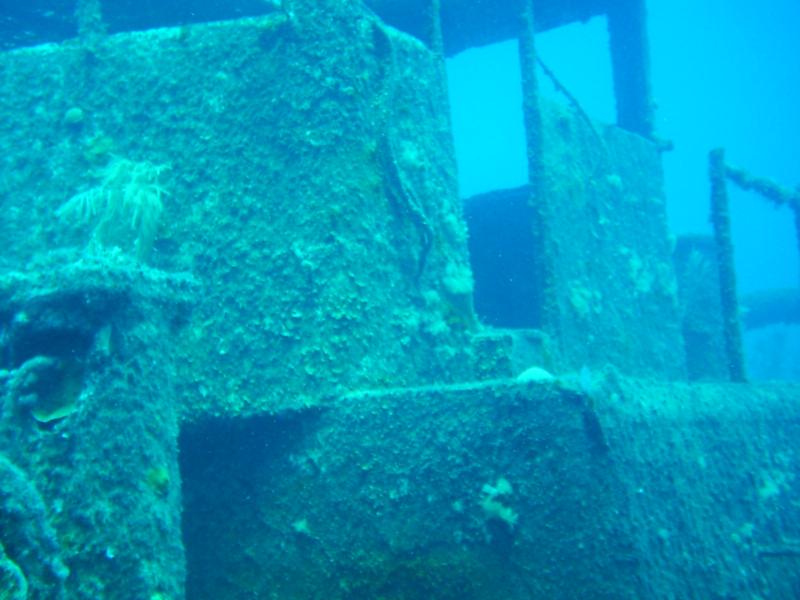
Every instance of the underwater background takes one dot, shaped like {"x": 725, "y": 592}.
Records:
{"x": 399, "y": 299}
{"x": 724, "y": 74}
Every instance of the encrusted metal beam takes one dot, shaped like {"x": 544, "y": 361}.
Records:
{"x": 721, "y": 221}
{"x": 630, "y": 58}
{"x": 545, "y": 308}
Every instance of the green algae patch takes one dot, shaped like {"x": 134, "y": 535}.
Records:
{"x": 158, "y": 480}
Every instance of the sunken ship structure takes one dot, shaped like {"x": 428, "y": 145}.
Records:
{"x": 254, "y": 345}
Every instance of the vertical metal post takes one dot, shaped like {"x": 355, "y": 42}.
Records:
{"x": 531, "y": 111}
{"x": 720, "y": 220}
{"x": 546, "y": 309}
{"x": 435, "y": 40}
{"x": 89, "y": 18}
{"x": 630, "y": 59}
{"x": 433, "y": 25}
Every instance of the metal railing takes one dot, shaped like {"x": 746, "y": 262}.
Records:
{"x": 719, "y": 174}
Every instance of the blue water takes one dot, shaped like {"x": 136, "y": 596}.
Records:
{"x": 724, "y": 74}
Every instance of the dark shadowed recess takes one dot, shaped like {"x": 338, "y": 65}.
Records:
{"x": 465, "y": 23}
{"x": 27, "y": 23}
{"x": 502, "y": 258}
{"x": 223, "y": 465}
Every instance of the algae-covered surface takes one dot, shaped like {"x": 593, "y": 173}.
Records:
{"x": 240, "y": 357}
